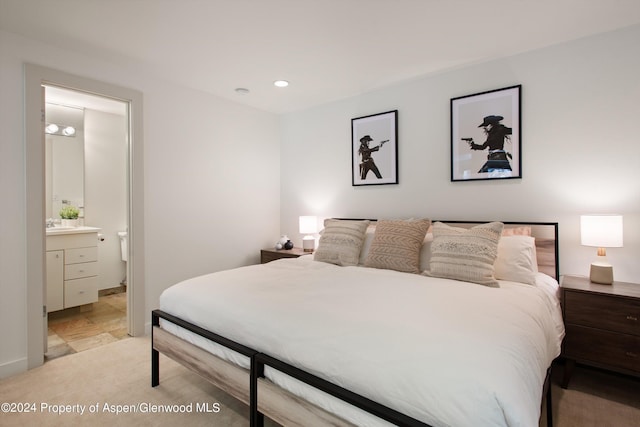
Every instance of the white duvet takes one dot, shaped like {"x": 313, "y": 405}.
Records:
{"x": 447, "y": 353}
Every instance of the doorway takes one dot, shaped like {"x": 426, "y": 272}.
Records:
{"x": 86, "y": 175}
{"x": 36, "y": 78}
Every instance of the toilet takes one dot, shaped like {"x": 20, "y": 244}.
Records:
{"x": 124, "y": 250}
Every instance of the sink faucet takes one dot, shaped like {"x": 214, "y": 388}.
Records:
{"x": 50, "y": 223}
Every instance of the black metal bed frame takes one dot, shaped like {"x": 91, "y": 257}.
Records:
{"x": 260, "y": 360}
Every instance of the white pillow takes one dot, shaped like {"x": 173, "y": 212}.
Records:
{"x": 425, "y": 251}
{"x": 368, "y": 239}
{"x": 516, "y": 260}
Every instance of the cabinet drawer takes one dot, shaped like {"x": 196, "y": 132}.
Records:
{"x": 611, "y": 313}
{"x": 266, "y": 257}
{"x": 76, "y": 255}
{"x": 66, "y": 241}
{"x": 80, "y": 291}
{"x": 270, "y": 255}
{"x": 76, "y": 271}
{"x": 607, "y": 348}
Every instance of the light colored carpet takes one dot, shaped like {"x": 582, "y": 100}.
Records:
{"x": 119, "y": 374}
{"x": 596, "y": 398}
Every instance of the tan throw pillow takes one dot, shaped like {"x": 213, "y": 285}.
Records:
{"x": 396, "y": 245}
{"x": 341, "y": 241}
{"x": 465, "y": 254}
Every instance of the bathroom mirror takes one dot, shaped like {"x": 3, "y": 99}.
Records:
{"x": 64, "y": 158}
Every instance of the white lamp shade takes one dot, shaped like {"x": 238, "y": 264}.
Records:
{"x": 308, "y": 224}
{"x": 603, "y": 231}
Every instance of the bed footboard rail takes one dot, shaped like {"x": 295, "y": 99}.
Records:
{"x": 261, "y": 360}
{"x": 156, "y": 315}
{"x": 256, "y": 419}
{"x": 274, "y": 395}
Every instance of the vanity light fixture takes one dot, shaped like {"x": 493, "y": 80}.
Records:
{"x": 54, "y": 129}
{"x": 281, "y": 83}
{"x": 51, "y": 128}
{"x": 601, "y": 231}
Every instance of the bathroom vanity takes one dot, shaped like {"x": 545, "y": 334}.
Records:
{"x": 72, "y": 267}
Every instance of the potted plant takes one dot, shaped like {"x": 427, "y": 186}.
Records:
{"x": 69, "y": 215}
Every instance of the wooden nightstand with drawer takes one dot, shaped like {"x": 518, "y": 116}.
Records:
{"x": 602, "y": 325}
{"x": 272, "y": 254}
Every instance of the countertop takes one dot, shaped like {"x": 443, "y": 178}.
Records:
{"x": 56, "y": 231}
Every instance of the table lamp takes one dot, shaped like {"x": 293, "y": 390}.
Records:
{"x": 601, "y": 231}
{"x": 308, "y": 227}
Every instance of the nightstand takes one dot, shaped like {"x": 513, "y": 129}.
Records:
{"x": 602, "y": 325}
{"x": 272, "y": 254}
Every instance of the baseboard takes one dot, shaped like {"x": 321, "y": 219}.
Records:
{"x": 14, "y": 367}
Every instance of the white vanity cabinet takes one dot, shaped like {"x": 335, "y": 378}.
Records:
{"x": 72, "y": 267}
{"x": 55, "y": 280}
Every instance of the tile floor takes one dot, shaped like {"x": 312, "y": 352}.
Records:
{"x": 77, "y": 329}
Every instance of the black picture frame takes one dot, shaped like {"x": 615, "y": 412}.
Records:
{"x": 374, "y": 149}
{"x": 486, "y": 135}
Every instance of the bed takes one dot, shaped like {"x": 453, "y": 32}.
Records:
{"x": 379, "y": 328}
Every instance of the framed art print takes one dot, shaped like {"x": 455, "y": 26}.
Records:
{"x": 374, "y": 149}
{"x": 486, "y": 135}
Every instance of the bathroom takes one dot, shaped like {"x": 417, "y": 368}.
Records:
{"x": 88, "y": 169}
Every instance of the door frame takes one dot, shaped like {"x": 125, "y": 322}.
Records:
{"x": 34, "y": 77}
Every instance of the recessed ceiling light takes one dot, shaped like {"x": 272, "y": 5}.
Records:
{"x": 242, "y": 90}
{"x": 281, "y": 83}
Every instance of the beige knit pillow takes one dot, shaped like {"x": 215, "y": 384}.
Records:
{"x": 341, "y": 241}
{"x": 465, "y": 254}
{"x": 396, "y": 245}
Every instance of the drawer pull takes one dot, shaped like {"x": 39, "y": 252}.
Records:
{"x": 634, "y": 318}
{"x": 631, "y": 354}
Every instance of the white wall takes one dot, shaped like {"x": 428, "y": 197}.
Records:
{"x": 105, "y": 192}
{"x": 580, "y": 148}
{"x": 211, "y": 180}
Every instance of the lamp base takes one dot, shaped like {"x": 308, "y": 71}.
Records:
{"x": 602, "y": 274}
{"x": 308, "y": 244}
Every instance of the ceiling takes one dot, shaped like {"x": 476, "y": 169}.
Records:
{"x": 326, "y": 49}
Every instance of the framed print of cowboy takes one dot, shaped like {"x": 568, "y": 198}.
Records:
{"x": 486, "y": 135}
{"x": 374, "y": 149}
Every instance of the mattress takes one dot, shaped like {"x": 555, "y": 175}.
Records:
{"x": 441, "y": 351}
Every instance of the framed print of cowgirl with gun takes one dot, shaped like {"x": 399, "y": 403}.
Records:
{"x": 486, "y": 135}
{"x": 374, "y": 149}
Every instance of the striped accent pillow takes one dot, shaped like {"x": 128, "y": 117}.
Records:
{"x": 396, "y": 245}
{"x": 341, "y": 242}
{"x": 465, "y": 254}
